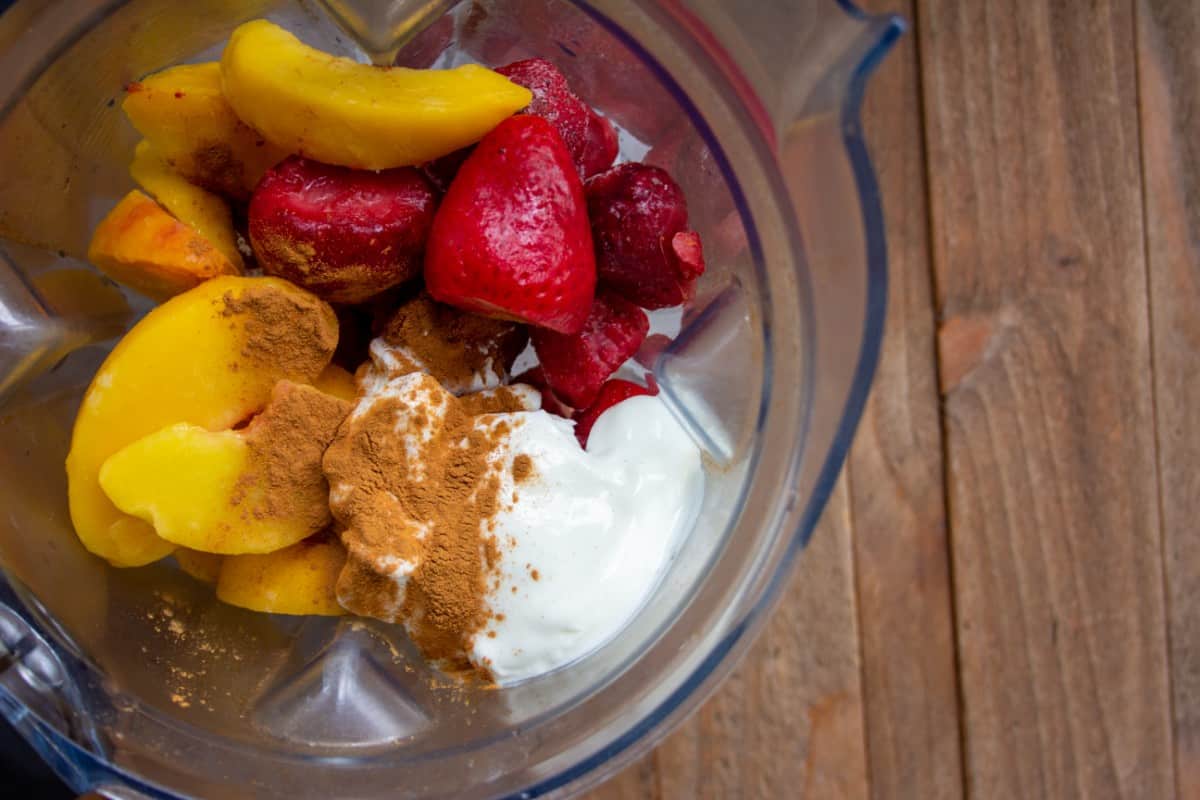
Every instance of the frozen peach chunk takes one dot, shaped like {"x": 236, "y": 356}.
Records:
{"x": 209, "y": 357}
{"x": 208, "y": 213}
{"x": 339, "y": 111}
{"x": 201, "y": 566}
{"x": 296, "y": 580}
{"x": 183, "y": 113}
{"x": 338, "y": 382}
{"x": 142, "y": 246}
{"x": 250, "y": 491}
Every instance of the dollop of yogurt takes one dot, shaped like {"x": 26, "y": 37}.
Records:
{"x": 577, "y": 540}
{"x": 589, "y": 535}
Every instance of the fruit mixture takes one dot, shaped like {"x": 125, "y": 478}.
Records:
{"x": 321, "y": 417}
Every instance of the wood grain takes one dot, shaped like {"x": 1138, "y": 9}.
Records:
{"x": 788, "y": 721}
{"x": 1169, "y": 83}
{"x": 895, "y": 468}
{"x": 1036, "y": 210}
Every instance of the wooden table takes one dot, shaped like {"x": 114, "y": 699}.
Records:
{"x": 1003, "y": 597}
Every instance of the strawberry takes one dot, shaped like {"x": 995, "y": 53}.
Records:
{"x": 610, "y": 394}
{"x": 536, "y": 377}
{"x": 343, "y": 234}
{"x": 643, "y": 248}
{"x": 576, "y": 365}
{"x": 511, "y": 239}
{"x": 553, "y": 101}
{"x": 600, "y": 148}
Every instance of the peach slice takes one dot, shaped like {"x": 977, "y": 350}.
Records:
{"x": 338, "y": 382}
{"x": 296, "y": 580}
{"x": 209, "y": 357}
{"x": 183, "y": 113}
{"x": 250, "y": 491}
{"x": 338, "y": 111}
{"x": 208, "y": 213}
{"x": 142, "y": 246}
{"x": 203, "y": 567}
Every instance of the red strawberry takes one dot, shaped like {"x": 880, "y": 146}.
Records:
{"x": 610, "y": 394}
{"x": 576, "y": 365}
{"x": 643, "y": 248}
{"x": 535, "y": 377}
{"x": 343, "y": 234}
{"x": 553, "y": 101}
{"x": 600, "y": 149}
{"x": 511, "y": 239}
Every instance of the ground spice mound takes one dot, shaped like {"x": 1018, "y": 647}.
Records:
{"x": 455, "y": 347}
{"x": 293, "y": 331}
{"x": 283, "y": 477}
{"x": 414, "y": 481}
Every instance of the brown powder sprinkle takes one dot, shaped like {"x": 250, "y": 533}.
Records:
{"x": 421, "y": 495}
{"x": 289, "y": 331}
{"x": 522, "y": 468}
{"x": 451, "y": 345}
{"x": 285, "y": 443}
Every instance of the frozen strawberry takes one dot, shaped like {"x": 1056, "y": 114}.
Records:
{"x": 511, "y": 238}
{"x": 345, "y": 235}
{"x": 554, "y": 102}
{"x": 535, "y": 377}
{"x": 610, "y": 394}
{"x": 600, "y": 148}
{"x": 576, "y": 365}
{"x": 643, "y": 248}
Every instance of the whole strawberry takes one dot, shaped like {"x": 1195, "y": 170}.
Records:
{"x": 577, "y": 365}
{"x": 511, "y": 238}
{"x": 345, "y": 235}
{"x": 644, "y": 250}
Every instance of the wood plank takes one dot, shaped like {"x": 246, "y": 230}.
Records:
{"x": 1036, "y": 208}
{"x": 1169, "y": 83}
{"x": 896, "y": 477}
{"x": 788, "y": 721}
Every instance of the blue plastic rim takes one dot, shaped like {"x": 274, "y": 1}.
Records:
{"x": 82, "y": 770}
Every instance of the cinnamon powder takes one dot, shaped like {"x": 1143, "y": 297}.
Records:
{"x": 414, "y": 483}
{"x": 285, "y": 444}
{"x": 451, "y": 345}
{"x": 292, "y": 331}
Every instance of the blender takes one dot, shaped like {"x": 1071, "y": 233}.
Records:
{"x": 138, "y": 683}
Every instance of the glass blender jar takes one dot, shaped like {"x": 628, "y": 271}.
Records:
{"x": 138, "y": 683}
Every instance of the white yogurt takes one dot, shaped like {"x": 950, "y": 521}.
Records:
{"x": 597, "y": 528}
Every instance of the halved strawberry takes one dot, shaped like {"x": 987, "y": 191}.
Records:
{"x": 511, "y": 238}
{"x": 610, "y": 394}
{"x": 535, "y": 377}
{"x": 644, "y": 250}
{"x": 576, "y": 365}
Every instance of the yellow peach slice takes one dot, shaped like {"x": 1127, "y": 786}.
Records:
{"x": 341, "y": 112}
{"x": 338, "y": 382}
{"x": 208, "y": 213}
{"x": 250, "y": 491}
{"x": 183, "y": 113}
{"x": 209, "y": 357}
{"x": 202, "y": 566}
{"x": 142, "y": 246}
{"x": 296, "y": 580}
